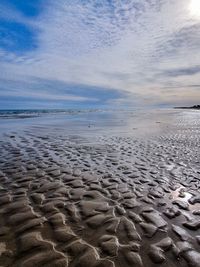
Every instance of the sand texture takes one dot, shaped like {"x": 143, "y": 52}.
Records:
{"x": 115, "y": 201}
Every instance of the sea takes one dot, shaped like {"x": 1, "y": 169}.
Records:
{"x": 91, "y": 121}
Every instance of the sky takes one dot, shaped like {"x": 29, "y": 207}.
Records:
{"x": 99, "y": 53}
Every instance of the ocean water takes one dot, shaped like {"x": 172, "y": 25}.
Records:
{"x": 30, "y": 113}
{"x": 68, "y": 120}
{"x": 86, "y": 121}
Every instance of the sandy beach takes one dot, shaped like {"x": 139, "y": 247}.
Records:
{"x": 100, "y": 189}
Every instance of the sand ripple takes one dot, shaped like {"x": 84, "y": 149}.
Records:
{"x": 116, "y": 201}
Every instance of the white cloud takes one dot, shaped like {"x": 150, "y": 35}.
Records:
{"x": 127, "y": 45}
{"x": 46, "y": 96}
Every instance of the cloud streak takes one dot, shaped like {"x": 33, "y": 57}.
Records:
{"x": 182, "y": 71}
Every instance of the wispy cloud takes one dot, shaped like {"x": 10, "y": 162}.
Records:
{"x": 182, "y": 71}
{"x": 134, "y": 46}
{"x": 55, "y": 91}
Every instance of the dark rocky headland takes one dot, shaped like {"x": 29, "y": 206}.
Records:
{"x": 192, "y": 107}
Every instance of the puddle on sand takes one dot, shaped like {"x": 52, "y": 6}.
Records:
{"x": 176, "y": 195}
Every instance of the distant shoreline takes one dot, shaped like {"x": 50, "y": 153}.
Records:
{"x": 193, "y": 107}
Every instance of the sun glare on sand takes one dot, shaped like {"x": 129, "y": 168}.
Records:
{"x": 195, "y": 8}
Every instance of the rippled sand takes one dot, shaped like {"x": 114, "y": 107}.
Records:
{"x": 125, "y": 196}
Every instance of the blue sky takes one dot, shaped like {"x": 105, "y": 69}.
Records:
{"x": 87, "y": 53}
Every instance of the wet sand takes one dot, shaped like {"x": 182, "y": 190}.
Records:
{"x": 101, "y": 191}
